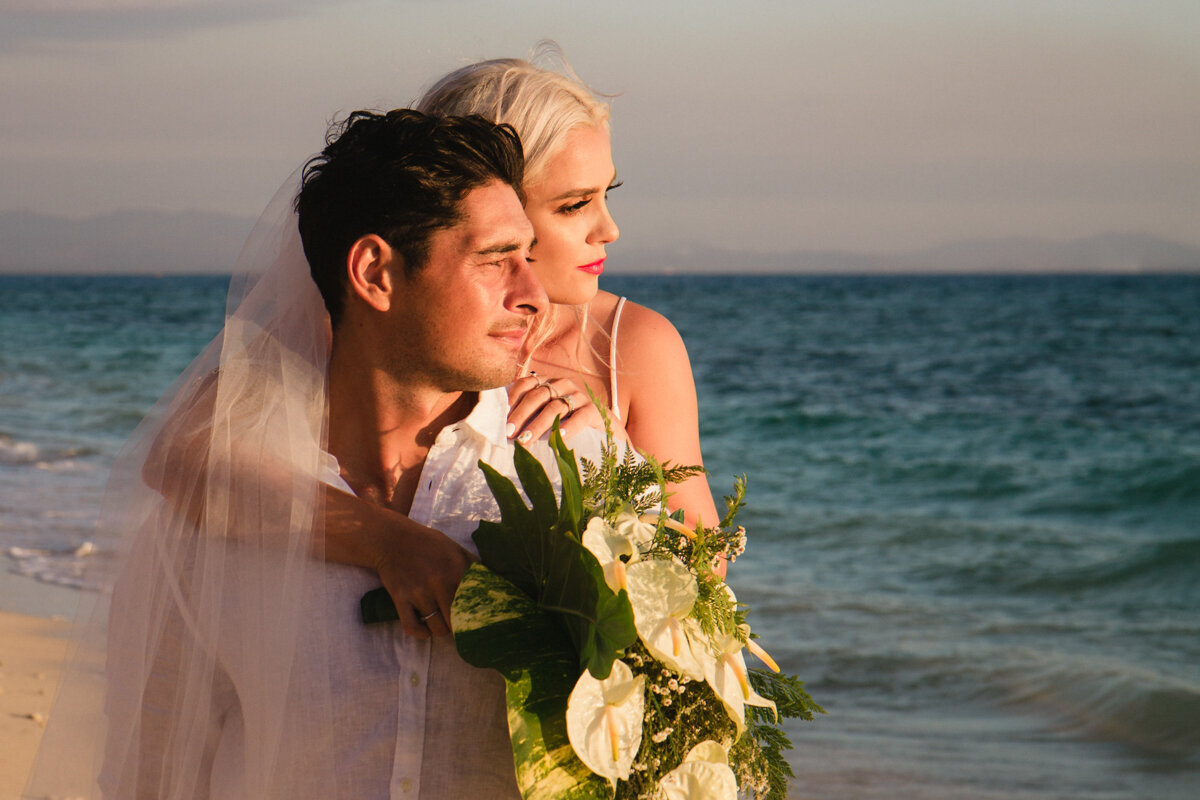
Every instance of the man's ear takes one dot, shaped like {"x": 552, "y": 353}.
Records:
{"x": 369, "y": 265}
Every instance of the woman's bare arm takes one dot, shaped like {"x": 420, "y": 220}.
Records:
{"x": 662, "y": 416}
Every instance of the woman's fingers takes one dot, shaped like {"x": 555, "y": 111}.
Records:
{"x": 435, "y": 622}
{"x": 535, "y": 403}
{"x": 410, "y": 620}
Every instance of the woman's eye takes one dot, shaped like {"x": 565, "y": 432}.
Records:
{"x": 573, "y": 207}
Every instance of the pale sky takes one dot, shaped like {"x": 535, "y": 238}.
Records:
{"x": 761, "y": 125}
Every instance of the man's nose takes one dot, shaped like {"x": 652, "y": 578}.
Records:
{"x": 526, "y": 295}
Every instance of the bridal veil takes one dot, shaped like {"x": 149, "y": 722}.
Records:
{"x": 215, "y": 496}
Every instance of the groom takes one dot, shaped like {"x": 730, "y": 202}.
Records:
{"x": 417, "y": 239}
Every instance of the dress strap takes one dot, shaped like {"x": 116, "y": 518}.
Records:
{"x": 612, "y": 360}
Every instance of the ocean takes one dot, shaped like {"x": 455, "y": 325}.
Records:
{"x": 974, "y": 502}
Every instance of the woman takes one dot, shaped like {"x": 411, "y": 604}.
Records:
{"x": 630, "y": 357}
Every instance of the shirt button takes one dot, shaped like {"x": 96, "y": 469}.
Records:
{"x": 414, "y": 679}
{"x": 406, "y": 785}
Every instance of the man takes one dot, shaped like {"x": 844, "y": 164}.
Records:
{"x": 430, "y": 296}
{"x": 238, "y": 667}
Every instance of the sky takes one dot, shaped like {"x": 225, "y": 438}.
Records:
{"x": 762, "y": 125}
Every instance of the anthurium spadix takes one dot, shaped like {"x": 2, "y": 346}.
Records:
{"x": 704, "y": 774}
{"x": 608, "y": 546}
{"x": 662, "y": 594}
{"x": 604, "y": 721}
{"x": 728, "y": 678}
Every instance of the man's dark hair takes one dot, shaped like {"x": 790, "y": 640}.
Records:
{"x": 401, "y": 176}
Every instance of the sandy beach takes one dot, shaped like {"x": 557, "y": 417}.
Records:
{"x": 31, "y": 653}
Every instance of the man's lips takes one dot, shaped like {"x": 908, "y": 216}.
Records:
{"x": 514, "y": 337}
{"x": 595, "y": 268}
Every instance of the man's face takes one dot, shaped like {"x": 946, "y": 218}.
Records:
{"x": 460, "y": 322}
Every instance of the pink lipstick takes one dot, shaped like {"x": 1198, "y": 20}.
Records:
{"x": 595, "y": 268}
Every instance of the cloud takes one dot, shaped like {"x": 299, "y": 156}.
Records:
{"x": 29, "y": 22}
{"x": 54, "y": 8}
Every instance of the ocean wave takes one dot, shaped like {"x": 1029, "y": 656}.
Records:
{"x": 67, "y": 566}
{"x": 1162, "y": 483}
{"x": 1110, "y": 700}
{"x": 1166, "y": 567}
{"x": 18, "y": 453}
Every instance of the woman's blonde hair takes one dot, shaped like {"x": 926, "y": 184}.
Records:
{"x": 541, "y": 103}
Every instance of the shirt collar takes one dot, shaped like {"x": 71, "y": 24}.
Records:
{"x": 489, "y": 417}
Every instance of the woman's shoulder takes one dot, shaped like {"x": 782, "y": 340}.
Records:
{"x": 643, "y": 334}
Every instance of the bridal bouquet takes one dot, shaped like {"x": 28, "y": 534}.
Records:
{"x": 622, "y": 649}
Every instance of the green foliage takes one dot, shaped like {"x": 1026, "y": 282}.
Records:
{"x": 758, "y": 757}
{"x": 538, "y": 550}
{"x": 624, "y": 479}
{"x": 498, "y": 626}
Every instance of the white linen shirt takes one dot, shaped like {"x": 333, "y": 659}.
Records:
{"x": 410, "y": 718}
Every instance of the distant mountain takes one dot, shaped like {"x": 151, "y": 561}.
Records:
{"x": 1115, "y": 253}
{"x": 199, "y": 242}
{"x": 1119, "y": 253}
{"x": 123, "y": 242}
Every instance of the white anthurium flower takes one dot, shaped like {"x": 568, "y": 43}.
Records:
{"x": 637, "y": 529}
{"x": 751, "y": 645}
{"x": 608, "y": 546}
{"x": 662, "y": 594}
{"x": 728, "y": 678}
{"x": 704, "y": 774}
{"x": 604, "y": 721}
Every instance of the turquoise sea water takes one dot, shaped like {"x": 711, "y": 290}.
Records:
{"x": 974, "y": 507}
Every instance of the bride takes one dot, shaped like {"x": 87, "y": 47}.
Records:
{"x": 630, "y": 357}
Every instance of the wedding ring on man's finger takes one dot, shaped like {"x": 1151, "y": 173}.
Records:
{"x": 430, "y": 615}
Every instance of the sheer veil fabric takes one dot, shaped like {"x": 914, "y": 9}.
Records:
{"x": 214, "y": 506}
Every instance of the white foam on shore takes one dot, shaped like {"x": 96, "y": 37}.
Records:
{"x": 15, "y": 452}
{"x": 65, "y": 567}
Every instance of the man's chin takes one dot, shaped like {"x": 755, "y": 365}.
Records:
{"x": 491, "y": 377}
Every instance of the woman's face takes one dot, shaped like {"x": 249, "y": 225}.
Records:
{"x": 568, "y": 207}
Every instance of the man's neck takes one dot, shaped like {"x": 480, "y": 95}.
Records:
{"x": 381, "y": 429}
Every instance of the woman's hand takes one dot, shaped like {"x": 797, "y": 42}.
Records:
{"x": 535, "y": 402}
{"x": 420, "y": 567}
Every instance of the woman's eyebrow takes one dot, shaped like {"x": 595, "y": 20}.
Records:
{"x": 574, "y": 193}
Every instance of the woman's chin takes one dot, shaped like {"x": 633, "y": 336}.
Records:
{"x": 574, "y": 298}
